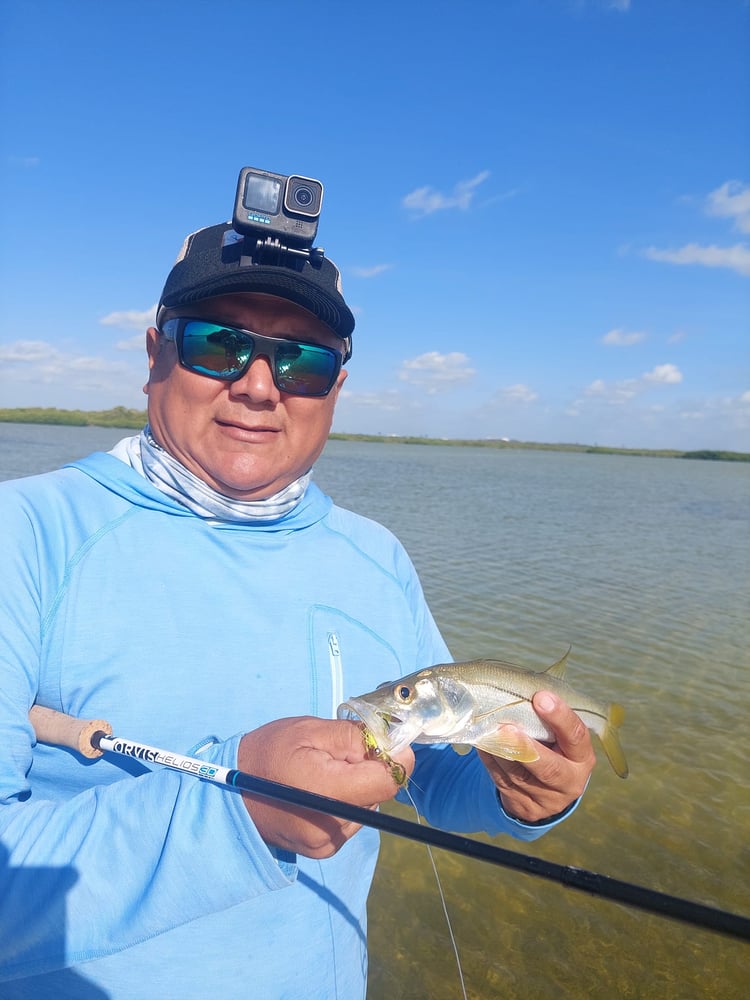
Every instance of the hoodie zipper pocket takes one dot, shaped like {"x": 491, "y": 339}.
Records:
{"x": 337, "y": 672}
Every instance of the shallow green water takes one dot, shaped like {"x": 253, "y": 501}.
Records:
{"x": 643, "y": 565}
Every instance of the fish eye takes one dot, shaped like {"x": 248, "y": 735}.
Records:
{"x": 403, "y": 693}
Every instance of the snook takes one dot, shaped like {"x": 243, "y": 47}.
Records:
{"x": 465, "y": 703}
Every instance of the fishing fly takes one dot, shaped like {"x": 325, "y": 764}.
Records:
{"x": 398, "y": 771}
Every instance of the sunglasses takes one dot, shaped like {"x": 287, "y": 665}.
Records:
{"x": 226, "y": 353}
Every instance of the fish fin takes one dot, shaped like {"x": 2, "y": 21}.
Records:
{"x": 512, "y": 744}
{"x": 611, "y": 741}
{"x": 461, "y": 748}
{"x": 558, "y": 669}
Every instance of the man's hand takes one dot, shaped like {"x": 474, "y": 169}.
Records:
{"x": 319, "y": 755}
{"x": 543, "y": 788}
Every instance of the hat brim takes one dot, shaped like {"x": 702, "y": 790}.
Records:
{"x": 269, "y": 281}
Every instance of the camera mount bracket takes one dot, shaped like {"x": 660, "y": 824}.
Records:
{"x": 272, "y": 251}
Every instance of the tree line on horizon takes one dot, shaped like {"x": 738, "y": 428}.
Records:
{"x": 130, "y": 419}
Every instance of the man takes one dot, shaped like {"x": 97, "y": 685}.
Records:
{"x": 195, "y": 588}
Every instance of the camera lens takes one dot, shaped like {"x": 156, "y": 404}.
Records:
{"x": 303, "y": 196}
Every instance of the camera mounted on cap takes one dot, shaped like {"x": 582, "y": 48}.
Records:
{"x": 271, "y": 208}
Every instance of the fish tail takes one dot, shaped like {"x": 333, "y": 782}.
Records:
{"x": 611, "y": 741}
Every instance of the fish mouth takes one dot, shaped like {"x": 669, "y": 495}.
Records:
{"x": 384, "y": 726}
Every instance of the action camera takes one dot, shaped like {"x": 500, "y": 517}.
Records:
{"x": 273, "y": 207}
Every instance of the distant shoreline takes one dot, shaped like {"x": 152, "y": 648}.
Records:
{"x": 121, "y": 416}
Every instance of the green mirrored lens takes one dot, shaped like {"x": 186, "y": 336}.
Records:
{"x": 215, "y": 350}
{"x": 305, "y": 369}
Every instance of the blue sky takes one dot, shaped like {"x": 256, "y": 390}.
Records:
{"x": 540, "y": 208}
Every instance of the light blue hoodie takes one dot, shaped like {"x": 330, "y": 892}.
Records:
{"x": 118, "y": 880}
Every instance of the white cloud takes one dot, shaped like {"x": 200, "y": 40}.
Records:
{"x": 25, "y": 352}
{"x": 664, "y": 374}
{"x": 426, "y": 200}
{"x": 370, "y": 272}
{"x": 616, "y": 393}
{"x": 436, "y": 372}
{"x": 621, "y": 6}
{"x": 650, "y": 415}
{"x": 677, "y": 337}
{"x": 389, "y": 400}
{"x": 597, "y": 388}
{"x": 626, "y": 389}
{"x": 732, "y": 413}
{"x": 623, "y": 338}
{"x": 26, "y": 162}
{"x": 42, "y": 362}
{"x": 732, "y": 201}
{"x": 502, "y": 196}
{"x": 519, "y": 393}
{"x": 135, "y": 343}
{"x": 736, "y": 258}
{"x": 131, "y": 319}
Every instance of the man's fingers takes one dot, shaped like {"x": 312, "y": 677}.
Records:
{"x": 371, "y": 780}
{"x": 571, "y": 735}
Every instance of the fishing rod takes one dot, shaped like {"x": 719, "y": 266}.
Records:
{"x": 93, "y": 737}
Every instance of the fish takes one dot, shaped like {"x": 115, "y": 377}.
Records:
{"x": 463, "y": 704}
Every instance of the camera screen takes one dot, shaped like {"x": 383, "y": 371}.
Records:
{"x": 262, "y": 194}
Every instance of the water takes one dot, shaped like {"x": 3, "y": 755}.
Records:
{"x": 643, "y": 565}
{"x": 26, "y": 449}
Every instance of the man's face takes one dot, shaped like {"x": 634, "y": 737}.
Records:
{"x": 246, "y": 439}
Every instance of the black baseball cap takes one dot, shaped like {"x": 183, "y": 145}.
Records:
{"x": 215, "y": 261}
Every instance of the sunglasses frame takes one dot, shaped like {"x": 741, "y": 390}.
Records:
{"x": 174, "y": 329}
